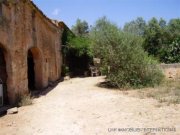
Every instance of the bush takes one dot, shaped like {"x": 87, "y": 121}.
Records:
{"x": 24, "y": 100}
{"x": 171, "y": 52}
{"x": 128, "y": 64}
{"x": 65, "y": 70}
{"x": 79, "y": 55}
{"x": 80, "y": 46}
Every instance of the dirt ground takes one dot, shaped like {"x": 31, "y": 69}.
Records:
{"x": 79, "y": 107}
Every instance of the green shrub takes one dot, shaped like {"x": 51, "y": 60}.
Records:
{"x": 78, "y": 55}
{"x": 80, "y": 46}
{"x": 128, "y": 64}
{"x": 65, "y": 70}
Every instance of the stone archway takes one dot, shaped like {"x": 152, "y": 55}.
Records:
{"x": 35, "y": 69}
{"x": 3, "y": 76}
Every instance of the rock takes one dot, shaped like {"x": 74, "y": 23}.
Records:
{"x": 67, "y": 78}
{"x": 12, "y": 111}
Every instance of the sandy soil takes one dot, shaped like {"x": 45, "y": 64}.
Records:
{"x": 79, "y": 107}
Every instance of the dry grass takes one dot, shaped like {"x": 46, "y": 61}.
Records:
{"x": 25, "y": 100}
{"x": 168, "y": 92}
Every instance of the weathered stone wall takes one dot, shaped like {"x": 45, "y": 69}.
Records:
{"x": 23, "y": 27}
{"x": 171, "y": 70}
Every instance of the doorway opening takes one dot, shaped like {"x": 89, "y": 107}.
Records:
{"x": 31, "y": 72}
{"x": 3, "y": 79}
{"x": 34, "y": 64}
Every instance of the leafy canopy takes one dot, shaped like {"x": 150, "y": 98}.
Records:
{"x": 123, "y": 59}
{"x": 81, "y": 28}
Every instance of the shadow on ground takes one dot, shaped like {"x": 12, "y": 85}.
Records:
{"x": 45, "y": 91}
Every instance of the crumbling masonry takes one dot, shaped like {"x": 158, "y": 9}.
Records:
{"x": 30, "y": 48}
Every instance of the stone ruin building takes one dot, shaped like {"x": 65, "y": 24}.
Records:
{"x": 30, "y": 48}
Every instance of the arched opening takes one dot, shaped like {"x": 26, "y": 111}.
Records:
{"x": 35, "y": 76}
{"x": 31, "y": 72}
{"x": 3, "y": 78}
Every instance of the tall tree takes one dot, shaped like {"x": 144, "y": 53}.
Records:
{"x": 162, "y": 23}
{"x": 136, "y": 27}
{"x": 174, "y": 28}
{"x": 153, "y": 37}
{"x": 123, "y": 59}
{"x": 171, "y": 52}
{"x": 81, "y": 28}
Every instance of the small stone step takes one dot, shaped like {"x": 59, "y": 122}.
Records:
{"x": 12, "y": 110}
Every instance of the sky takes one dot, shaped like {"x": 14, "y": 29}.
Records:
{"x": 118, "y": 11}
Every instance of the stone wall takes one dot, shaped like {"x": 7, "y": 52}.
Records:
{"x": 23, "y": 28}
{"x": 171, "y": 70}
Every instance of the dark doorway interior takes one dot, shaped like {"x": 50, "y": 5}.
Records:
{"x": 3, "y": 76}
{"x": 31, "y": 72}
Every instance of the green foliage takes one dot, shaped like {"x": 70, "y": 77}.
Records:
{"x": 174, "y": 28}
{"x": 81, "y": 28}
{"x": 153, "y": 38}
{"x": 123, "y": 58}
{"x": 161, "y": 39}
{"x": 79, "y": 55}
{"x": 102, "y": 33}
{"x": 65, "y": 70}
{"x": 66, "y": 36}
{"x": 76, "y": 49}
{"x": 80, "y": 46}
{"x": 171, "y": 52}
{"x": 136, "y": 27}
{"x": 162, "y": 23}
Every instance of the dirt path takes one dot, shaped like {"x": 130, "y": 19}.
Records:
{"x": 79, "y": 107}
